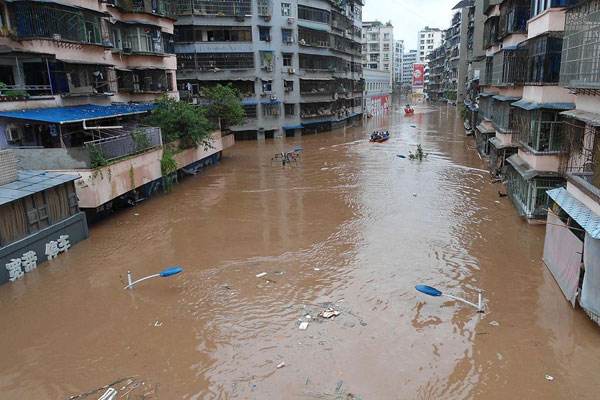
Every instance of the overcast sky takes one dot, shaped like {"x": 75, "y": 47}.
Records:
{"x": 409, "y": 16}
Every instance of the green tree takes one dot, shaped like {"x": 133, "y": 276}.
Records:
{"x": 224, "y": 105}
{"x": 182, "y": 121}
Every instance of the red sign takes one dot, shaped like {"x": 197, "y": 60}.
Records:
{"x": 418, "y": 72}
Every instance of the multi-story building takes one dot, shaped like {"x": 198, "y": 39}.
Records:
{"x": 408, "y": 59}
{"x": 447, "y": 65}
{"x": 398, "y": 53}
{"x": 76, "y": 75}
{"x": 378, "y": 90}
{"x": 378, "y": 47}
{"x": 572, "y": 244}
{"x": 476, "y": 64}
{"x": 296, "y": 63}
{"x": 427, "y": 40}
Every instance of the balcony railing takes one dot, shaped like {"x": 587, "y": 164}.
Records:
{"x": 217, "y": 8}
{"x": 490, "y": 32}
{"x": 544, "y": 59}
{"x": 539, "y": 131}
{"x": 509, "y": 67}
{"x": 513, "y": 18}
{"x": 580, "y": 67}
{"x": 122, "y": 144}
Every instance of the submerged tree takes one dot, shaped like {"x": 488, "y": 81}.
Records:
{"x": 182, "y": 121}
{"x": 224, "y": 105}
{"x": 417, "y": 155}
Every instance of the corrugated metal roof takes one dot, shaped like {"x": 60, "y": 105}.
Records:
{"x": 30, "y": 182}
{"x": 584, "y": 116}
{"x": 500, "y": 97}
{"x": 585, "y": 217}
{"x": 530, "y": 105}
{"x": 63, "y": 115}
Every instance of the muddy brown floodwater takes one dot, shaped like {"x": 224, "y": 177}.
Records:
{"x": 351, "y": 225}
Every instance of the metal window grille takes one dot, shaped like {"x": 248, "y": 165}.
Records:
{"x": 509, "y": 67}
{"x": 214, "y": 61}
{"x": 544, "y": 56}
{"x": 313, "y": 14}
{"x": 214, "y": 7}
{"x": 580, "y": 67}
{"x": 538, "y": 130}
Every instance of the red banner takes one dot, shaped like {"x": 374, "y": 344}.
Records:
{"x": 418, "y": 72}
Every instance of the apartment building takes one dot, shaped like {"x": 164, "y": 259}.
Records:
{"x": 297, "y": 63}
{"x": 378, "y": 47}
{"x": 427, "y": 40}
{"x": 398, "y": 54}
{"x": 572, "y": 243}
{"x": 76, "y": 78}
{"x": 408, "y": 59}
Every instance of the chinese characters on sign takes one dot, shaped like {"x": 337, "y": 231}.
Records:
{"x": 17, "y": 267}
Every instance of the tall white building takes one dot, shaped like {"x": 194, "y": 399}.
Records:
{"x": 378, "y": 50}
{"x": 408, "y": 59}
{"x": 427, "y": 40}
{"x": 398, "y": 53}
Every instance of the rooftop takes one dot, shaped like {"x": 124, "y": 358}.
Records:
{"x": 30, "y": 182}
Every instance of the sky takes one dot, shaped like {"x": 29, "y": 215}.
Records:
{"x": 409, "y": 16}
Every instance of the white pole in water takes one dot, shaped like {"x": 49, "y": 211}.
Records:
{"x": 431, "y": 291}
{"x": 164, "y": 274}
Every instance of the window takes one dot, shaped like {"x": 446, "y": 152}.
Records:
{"x": 313, "y": 14}
{"x": 386, "y": 36}
{"x": 288, "y": 86}
{"x": 373, "y": 66}
{"x": 250, "y": 111}
{"x": 290, "y": 109}
{"x": 374, "y": 47}
{"x": 267, "y": 86}
{"x": 286, "y": 10}
{"x": 373, "y": 57}
{"x": 386, "y": 67}
{"x": 386, "y": 47}
{"x": 264, "y": 33}
{"x": 270, "y": 110}
{"x": 373, "y": 36}
{"x": 430, "y": 47}
{"x": 287, "y": 59}
{"x": 386, "y": 57}
{"x": 287, "y": 36}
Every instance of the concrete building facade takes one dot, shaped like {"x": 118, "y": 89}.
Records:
{"x": 378, "y": 91}
{"x": 398, "y": 54}
{"x": 427, "y": 40}
{"x": 297, "y": 63}
{"x": 378, "y": 47}
{"x": 408, "y": 59}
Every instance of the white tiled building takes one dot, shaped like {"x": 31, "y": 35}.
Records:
{"x": 378, "y": 50}
{"x": 398, "y": 53}
{"x": 427, "y": 40}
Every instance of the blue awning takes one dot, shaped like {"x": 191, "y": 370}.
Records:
{"x": 249, "y": 102}
{"x": 299, "y": 126}
{"x": 585, "y": 217}
{"x": 530, "y": 105}
{"x": 317, "y": 121}
{"x": 500, "y": 97}
{"x": 86, "y": 112}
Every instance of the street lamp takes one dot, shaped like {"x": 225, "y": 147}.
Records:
{"x": 431, "y": 291}
{"x": 162, "y": 274}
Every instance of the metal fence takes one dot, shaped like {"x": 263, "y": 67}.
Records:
{"x": 580, "y": 67}
{"x": 125, "y": 143}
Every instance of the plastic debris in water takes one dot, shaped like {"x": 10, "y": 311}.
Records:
{"x": 549, "y": 377}
{"x": 261, "y": 274}
{"x": 281, "y": 365}
{"x": 495, "y": 323}
{"x": 303, "y": 326}
{"x": 328, "y": 313}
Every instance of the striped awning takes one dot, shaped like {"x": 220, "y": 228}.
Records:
{"x": 589, "y": 220}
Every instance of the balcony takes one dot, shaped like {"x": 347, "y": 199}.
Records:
{"x": 313, "y": 38}
{"x": 141, "y": 40}
{"x": 310, "y": 87}
{"x": 509, "y": 67}
{"x": 215, "y": 8}
{"x": 144, "y": 81}
{"x": 513, "y": 17}
{"x": 40, "y": 20}
{"x": 538, "y": 131}
{"x": 163, "y": 8}
{"x": 490, "y": 32}
{"x": 580, "y": 67}
{"x": 214, "y": 62}
{"x": 544, "y": 56}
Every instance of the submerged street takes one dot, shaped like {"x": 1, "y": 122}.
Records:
{"x": 350, "y": 226}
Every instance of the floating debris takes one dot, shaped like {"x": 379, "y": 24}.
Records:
{"x": 400, "y": 155}
{"x": 316, "y": 269}
{"x": 157, "y": 323}
{"x": 549, "y": 377}
{"x": 261, "y": 274}
{"x": 329, "y": 313}
{"x": 281, "y": 365}
{"x": 303, "y": 326}
{"x": 495, "y": 323}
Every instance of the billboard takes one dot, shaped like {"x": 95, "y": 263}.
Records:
{"x": 418, "y": 72}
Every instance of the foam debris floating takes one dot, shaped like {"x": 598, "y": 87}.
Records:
{"x": 261, "y": 274}
{"x": 303, "y": 326}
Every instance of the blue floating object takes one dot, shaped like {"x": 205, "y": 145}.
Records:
{"x": 171, "y": 271}
{"x": 428, "y": 290}
{"x": 400, "y": 155}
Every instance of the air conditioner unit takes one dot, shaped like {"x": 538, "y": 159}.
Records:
{"x": 291, "y": 71}
{"x": 56, "y": 36}
{"x": 290, "y": 20}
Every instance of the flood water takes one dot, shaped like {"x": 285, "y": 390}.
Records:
{"x": 351, "y": 226}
